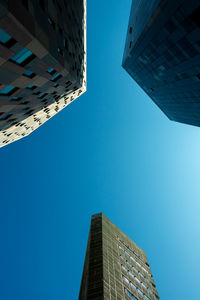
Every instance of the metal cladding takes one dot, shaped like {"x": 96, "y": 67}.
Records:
{"x": 162, "y": 54}
{"x": 115, "y": 267}
{"x": 42, "y": 62}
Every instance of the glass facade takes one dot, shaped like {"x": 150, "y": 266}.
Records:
{"x": 162, "y": 54}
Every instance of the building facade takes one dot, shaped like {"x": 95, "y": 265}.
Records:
{"x": 115, "y": 267}
{"x": 42, "y": 62}
{"x": 162, "y": 54}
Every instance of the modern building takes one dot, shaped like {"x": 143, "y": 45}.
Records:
{"x": 115, "y": 267}
{"x": 42, "y": 62}
{"x": 162, "y": 54}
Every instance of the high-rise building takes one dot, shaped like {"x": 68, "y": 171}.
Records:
{"x": 42, "y": 62}
{"x": 162, "y": 54}
{"x": 115, "y": 267}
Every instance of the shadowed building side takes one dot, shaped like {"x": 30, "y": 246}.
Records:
{"x": 115, "y": 267}
{"x": 42, "y": 62}
{"x": 162, "y": 54}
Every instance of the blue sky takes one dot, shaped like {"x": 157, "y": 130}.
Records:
{"x": 111, "y": 151}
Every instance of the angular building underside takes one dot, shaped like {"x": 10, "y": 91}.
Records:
{"x": 42, "y": 62}
{"x": 115, "y": 267}
{"x": 162, "y": 54}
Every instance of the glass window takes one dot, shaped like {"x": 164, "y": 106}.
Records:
{"x": 16, "y": 98}
{"x": 5, "y": 116}
{"x": 21, "y": 56}
{"x": 133, "y": 286}
{"x": 29, "y": 74}
{"x": 137, "y": 280}
{"x": 31, "y": 87}
{"x": 127, "y": 254}
{"x": 124, "y": 268}
{"x": 125, "y": 279}
{"x": 143, "y": 285}
{"x": 51, "y": 22}
{"x": 150, "y": 291}
{"x": 51, "y": 71}
{"x": 131, "y": 274}
{"x": 36, "y": 92}
{"x": 56, "y": 77}
{"x": 42, "y": 95}
{"x": 130, "y": 294}
{"x": 7, "y": 90}
{"x": 4, "y": 37}
{"x": 135, "y": 269}
{"x": 138, "y": 290}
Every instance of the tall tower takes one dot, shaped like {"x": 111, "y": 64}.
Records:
{"x": 115, "y": 267}
{"x": 162, "y": 54}
{"x": 42, "y": 62}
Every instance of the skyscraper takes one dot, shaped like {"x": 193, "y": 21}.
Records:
{"x": 162, "y": 54}
{"x": 42, "y": 62}
{"x": 115, "y": 267}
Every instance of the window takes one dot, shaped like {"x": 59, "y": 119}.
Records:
{"x": 36, "y": 92}
{"x": 68, "y": 83}
{"x": 29, "y": 74}
{"x": 131, "y": 274}
{"x": 31, "y": 87}
{"x": 8, "y": 90}
{"x": 143, "y": 285}
{"x": 130, "y": 294}
{"x": 22, "y": 57}
{"x": 140, "y": 292}
{"x": 123, "y": 268}
{"x": 16, "y": 98}
{"x": 137, "y": 279}
{"x": 133, "y": 286}
{"x": 56, "y": 77}
{"x": 130, "y": 30}
{"x": 5, "y": 117}
{"x": 60, "y": 51}
{"x": 42, "y": 95}
{"x": 6, "y": 39}
{"x": 51, "y": 22}
{"x": 125, "y": 279}
{"x": 66, "y": 44}
{"x": 51, "y": 71}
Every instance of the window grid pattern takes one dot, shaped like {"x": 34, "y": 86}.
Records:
{"x": 117, "y": 282}
{"x": 27, "y": 63}
{"x": 164, "y": 57}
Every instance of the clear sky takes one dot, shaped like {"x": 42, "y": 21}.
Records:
{"x": 111, "y": 151}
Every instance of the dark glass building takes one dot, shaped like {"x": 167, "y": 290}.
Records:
{"x": 115, "y": 267}
{"x": 162, "y": 54}
{"x": 42, "y": 62}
